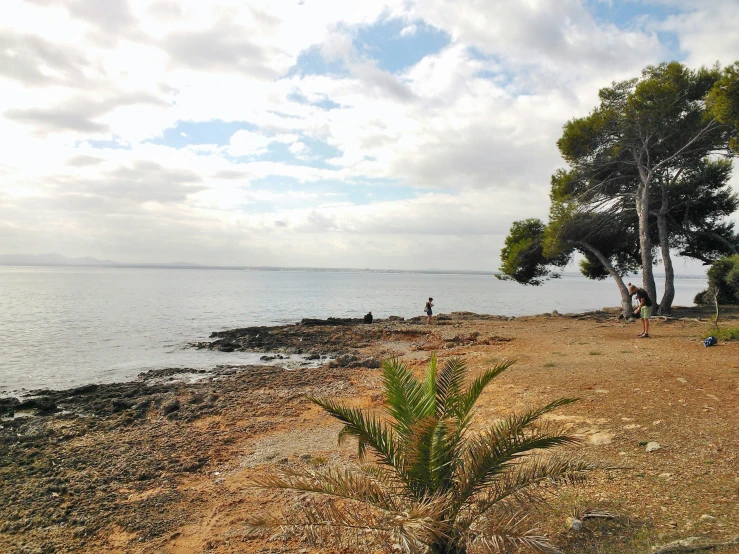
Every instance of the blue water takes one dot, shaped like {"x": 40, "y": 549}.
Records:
{"x": 62, "y": 327}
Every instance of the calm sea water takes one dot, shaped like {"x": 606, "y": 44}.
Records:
{"x": 62, "y": 327}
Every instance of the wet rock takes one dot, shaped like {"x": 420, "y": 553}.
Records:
{"x": 333, "y": 321}
{"x": 8, "y": 406}
{"x": 43, "y": 405}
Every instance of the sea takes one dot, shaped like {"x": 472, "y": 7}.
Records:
{"x": 67, "y": 326}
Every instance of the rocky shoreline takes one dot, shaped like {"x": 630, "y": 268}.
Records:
{"x": 81, "y": 463}
{"x": 122, "y": 467}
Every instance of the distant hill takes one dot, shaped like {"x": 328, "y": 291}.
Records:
{"x": 52, "y": 259}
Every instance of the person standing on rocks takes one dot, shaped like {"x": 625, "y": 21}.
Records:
{"x": 427, "y": 309}
{"x": 644, "y": 309}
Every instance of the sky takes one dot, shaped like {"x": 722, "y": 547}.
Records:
{"x": 322, "y": 133}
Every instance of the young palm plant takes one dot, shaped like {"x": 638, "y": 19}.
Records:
{"x": 435, "y": 486}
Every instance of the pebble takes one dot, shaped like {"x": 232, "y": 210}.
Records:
{"x": 600, "y": 439}
{"x": 707, "y": 517}
{"x": 652, "y": 446}
{"x": 574, "y": 524}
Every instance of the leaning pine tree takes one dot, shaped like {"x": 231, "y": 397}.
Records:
{"x": 436, "y": 486}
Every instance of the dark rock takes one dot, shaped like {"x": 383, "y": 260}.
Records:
{"x": 119, "y": 405}
{"x": 372, "y": 363}
{"x": 43, "y": 405}
{"x": 343, "y": 361}
{"x": 330, "y": 321}
{"x": 8, "y": 406}
{"x": 171, "y": 406}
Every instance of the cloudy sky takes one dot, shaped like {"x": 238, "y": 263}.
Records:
{"x": 328, "y": 133}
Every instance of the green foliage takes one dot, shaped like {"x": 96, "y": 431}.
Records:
{"x": 724, "y": 276}
{"x": 523, "y": 258}
{"x": 699, "y": 201}
{"x": 435, "y": 486}
{"x": 723, "y": 333}
{"x": 592, "y": 268}
{"x": 723, "y": 102}
{"x": 658, "y": 133}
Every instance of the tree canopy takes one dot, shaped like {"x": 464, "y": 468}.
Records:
{"x": 648, "y": 172}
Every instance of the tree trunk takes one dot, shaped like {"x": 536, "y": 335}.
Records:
{"x": 645, "y": 242}
{"x": 665, "y": 304}
{"x": 626, "y": 308}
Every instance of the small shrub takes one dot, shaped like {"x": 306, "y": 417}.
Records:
{"x": 594, "y": 353}
{"x": 549, "y": 364}
{"x": 723, "y": 333}
{"x": 724, "y": 275}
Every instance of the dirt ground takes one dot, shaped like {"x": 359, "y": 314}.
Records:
{"x": 161, "y": 465}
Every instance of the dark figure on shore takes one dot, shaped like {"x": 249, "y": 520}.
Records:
{"x": 644, "y": 309}
{"x": 368, "y": 317}
{"x": 427, "y": 309}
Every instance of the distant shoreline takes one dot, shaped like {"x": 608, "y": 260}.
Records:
{"x": 253, "y": 268}
{"x": 295, "y": 269}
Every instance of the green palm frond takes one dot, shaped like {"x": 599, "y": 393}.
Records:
{"x": 524, "y": 486}
{"x": 468, "y": 399}
{"x": 430, "y": 385}
{"x": 405, "y": 400}
{"x": 430, "y": 455}
{"x": 368, "y": 429}
{"x": 493, "y": 452}
{"x": 518, "y": 422}
{"x": 449, "y": 384}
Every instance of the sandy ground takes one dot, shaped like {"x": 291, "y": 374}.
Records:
{"x": 141, "y": 480}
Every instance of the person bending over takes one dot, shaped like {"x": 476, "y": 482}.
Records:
{"x": 644, "y": 309}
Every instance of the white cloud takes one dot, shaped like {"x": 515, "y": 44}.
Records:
{"x": 707, "y": 32}
{"x": 408, "y": 31}
{"x": 476, "y": 123}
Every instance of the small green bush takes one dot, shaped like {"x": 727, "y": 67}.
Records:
{"x": 724, "y": 273}
{"x": 724, "y": 333}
